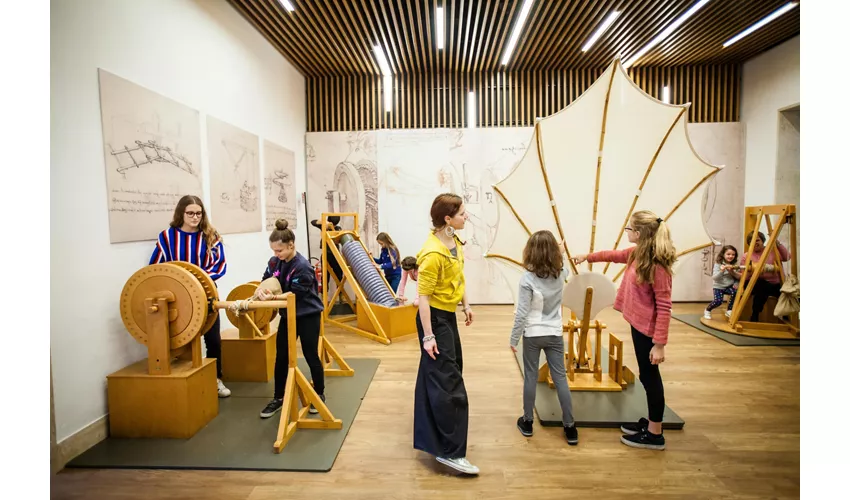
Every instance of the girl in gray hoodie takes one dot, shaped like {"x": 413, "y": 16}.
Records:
{"x": 539, "y": 322}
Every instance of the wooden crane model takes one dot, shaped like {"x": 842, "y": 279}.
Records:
{"x": 173, "y": 393}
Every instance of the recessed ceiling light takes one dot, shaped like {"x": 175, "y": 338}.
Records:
{"x": 523, "y": 15}
{"x": 782, "y": 10}
{"x": 667, "y": 31}
{"x": 609, "y": 20}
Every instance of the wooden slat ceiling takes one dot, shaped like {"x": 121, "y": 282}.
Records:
{"x": 336, "y": 37}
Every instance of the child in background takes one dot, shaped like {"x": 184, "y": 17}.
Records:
{"x": 389, "y": 260}
{"x": 725, "y": 276}
{"x": 538, "y": 320}
{"x": 409, "y": 269}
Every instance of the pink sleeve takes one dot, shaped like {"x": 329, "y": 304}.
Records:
{"x": 616, "y": 256}
{"x": 663, "y": 289}
{"x": 784, "y": 254}
{"x": 402, "y": 283}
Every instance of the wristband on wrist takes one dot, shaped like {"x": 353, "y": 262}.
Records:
{"x": 427, "y": 338}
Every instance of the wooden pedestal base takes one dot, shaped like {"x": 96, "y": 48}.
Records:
{"x": 247, "y": 359}
{"x": 759, "y": 330}
{"x": 162, "y": 406}
{"x": 396, "y": 321}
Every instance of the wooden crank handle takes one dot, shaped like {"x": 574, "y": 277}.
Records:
{"x": 257, "y": 304}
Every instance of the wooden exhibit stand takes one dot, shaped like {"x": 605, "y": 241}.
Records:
{"x": 175, "y": 405}
{"x": 291, "y": 417}
{"x": 248, "y": 351}
{"x": 583, "y": 361}
{"x": 773, "y": 328}
{"x": 373, "y": 321}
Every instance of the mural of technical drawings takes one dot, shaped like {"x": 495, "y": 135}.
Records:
{"x": 152, "y": 154}
{"x": 279, "y": 183}
{"x": 342, "y": 176}
{"x": 414, "y": 166}
{"x": 234, "y": 178}
{"x": 417, "y": 165}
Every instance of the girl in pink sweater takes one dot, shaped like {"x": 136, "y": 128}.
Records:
{"x": 644, "y": 298}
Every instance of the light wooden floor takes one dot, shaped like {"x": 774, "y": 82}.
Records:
{"x": 741, "y": 439}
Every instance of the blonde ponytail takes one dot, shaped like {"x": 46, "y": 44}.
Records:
{"x": 654, "y": 246}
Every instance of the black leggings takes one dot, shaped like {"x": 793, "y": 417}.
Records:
{"x": 650, "y": 376}
{"x": 212, "y": 340}
{"x": 307, "y": 328}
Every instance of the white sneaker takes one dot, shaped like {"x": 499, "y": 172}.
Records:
{"x": 728, "y": 313}
{"x": 706, "y": 314}
{"x": 459, "y": 464}
{"x": 223, "y": 392}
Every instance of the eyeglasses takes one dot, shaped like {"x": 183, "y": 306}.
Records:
{"x": 194, "y": 214}
{"x": 628, "y": 228}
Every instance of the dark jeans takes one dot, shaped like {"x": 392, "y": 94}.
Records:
{"x": 761, "y": 291}
{"x": 307, "y": 328}
{"x": 212, "y": 341}
{"x": 650, "y": 376}
{"x": 394, "y": 280}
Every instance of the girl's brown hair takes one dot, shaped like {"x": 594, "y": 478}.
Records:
{"x": 654, "y": 246}
{"x": 282, "y": 233}
{"x": 392, "y": 250}
{"x": 542, "y": 255}
{"x": 721, "y": 259}
{"x": 409, "y": 263}
{"x": 211, "y": 236}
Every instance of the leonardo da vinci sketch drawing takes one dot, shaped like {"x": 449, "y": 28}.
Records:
{"x": 152, "y": 154}
{"x": 234, "y": 177}
{"x": 279, "y": 173}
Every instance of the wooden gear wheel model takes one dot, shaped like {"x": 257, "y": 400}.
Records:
{"x": 189, "y": 290}
{"x": 262, "y": 317}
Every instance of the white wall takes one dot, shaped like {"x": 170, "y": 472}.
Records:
{"x": 770, "y": 82}
{"x": 200, "y": 53}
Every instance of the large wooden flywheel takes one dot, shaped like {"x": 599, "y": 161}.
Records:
{"x": 188, "y": 291}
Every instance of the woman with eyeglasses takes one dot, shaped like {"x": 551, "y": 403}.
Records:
{"x": 645, "y": 299}
{"x": 191, "y": 238}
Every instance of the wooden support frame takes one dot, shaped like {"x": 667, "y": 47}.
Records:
{"x": 297, "y": 386}
{"x": 583, "y": 360}
{"x": 753, "y": 218}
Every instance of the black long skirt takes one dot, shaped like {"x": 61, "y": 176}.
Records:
{"x": 441, "y": 408}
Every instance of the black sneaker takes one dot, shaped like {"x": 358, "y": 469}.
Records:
{"x": 572, "y": 434}
{"x": 632, "y": 429}
{"x": 526, "y": 427}
{"x": 273, "y": 407}
{"x": 645, "y": 440}
{"x": 313, "y": 410}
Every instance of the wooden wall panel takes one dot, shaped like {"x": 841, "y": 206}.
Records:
{"x": 503, "y": 99}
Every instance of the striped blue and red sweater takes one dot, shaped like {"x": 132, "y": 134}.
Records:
{"x": 176, "y": 244}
